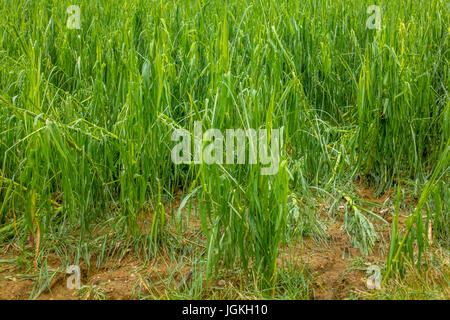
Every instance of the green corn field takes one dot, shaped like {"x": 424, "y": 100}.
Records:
{"x": 90, "y": 100}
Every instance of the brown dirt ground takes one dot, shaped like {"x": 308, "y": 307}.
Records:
{"x": 115, "y": 279}
{"x": 333, "y": 275}
{"x": 331, "y": 264}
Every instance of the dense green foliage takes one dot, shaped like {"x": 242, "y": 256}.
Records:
{"x": 87, "y": 115}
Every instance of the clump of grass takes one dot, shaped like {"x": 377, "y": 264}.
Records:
{"x": 412, "y": 245}
{"x": 89, "y": 292}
